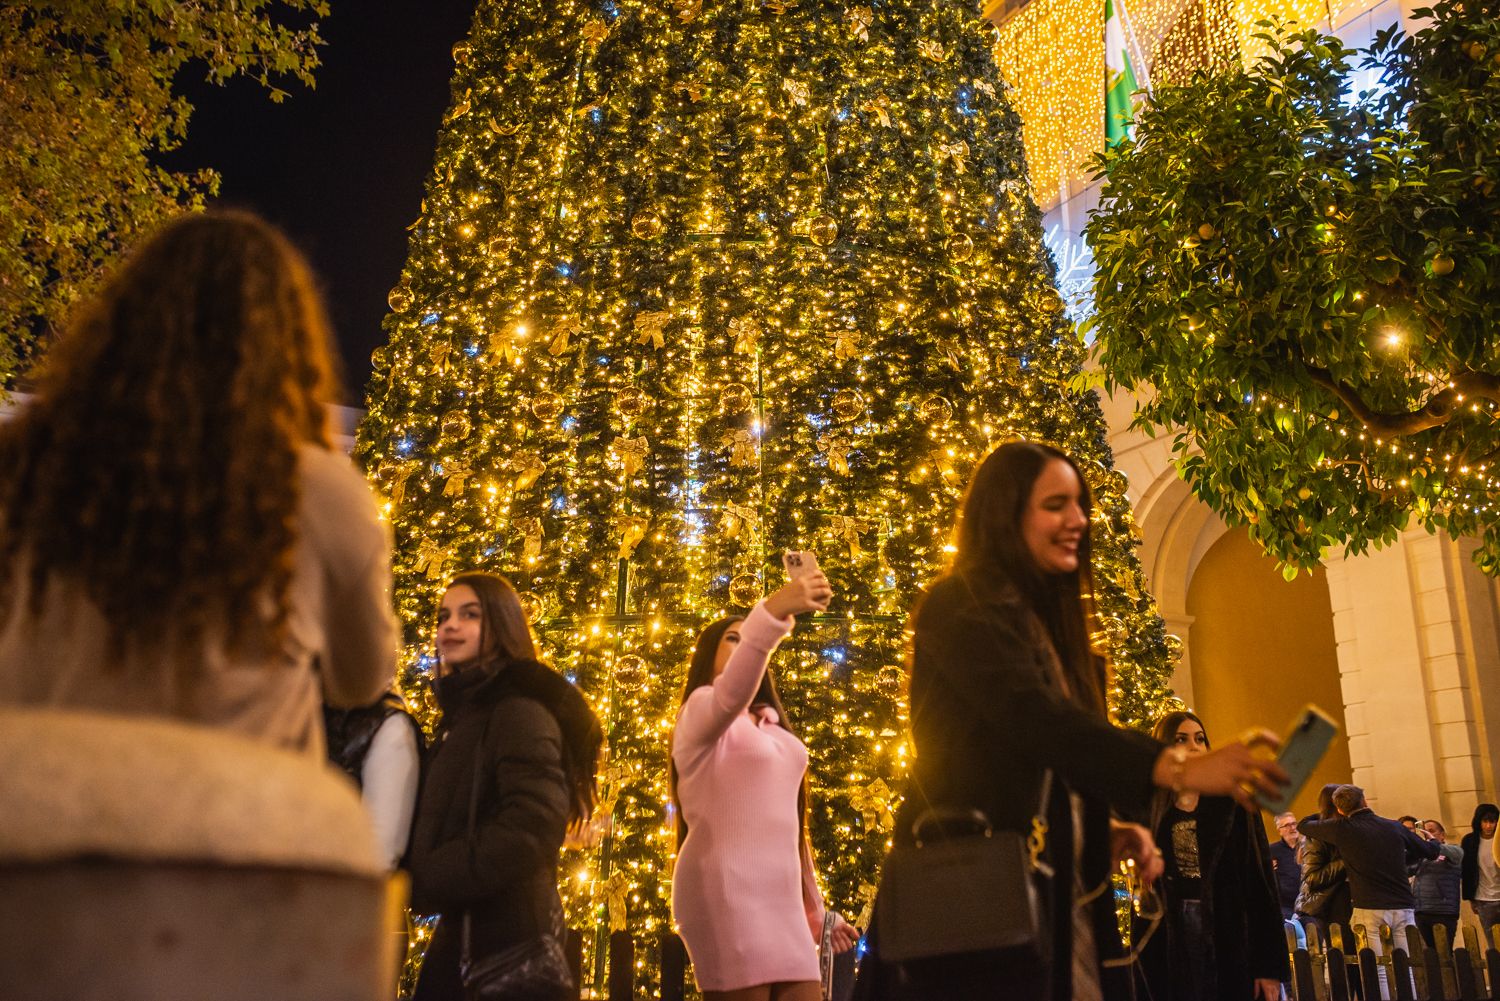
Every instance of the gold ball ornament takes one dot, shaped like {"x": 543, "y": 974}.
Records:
{"x": 401, "y": 298}
{"x": 647, "y": 224}
{"x": 935, "y": 410}
{"x": 630, "y": 402}
{"x": 823, "y": 230}
{"x": 498, "y": 246}
{"x": 461, "y": 52}
{"x": 890, "y": 679}
{"x": 532, "y": 605}
{"x": 1175, "y": 646}
{"x": 745, "y": 590}
{"x": 848, "y": 404}
{"x": 380, "y": 359}
{"x": 960, "y": 246}
{"x": 547, "y": 406}
{"x": 631, "y": 670}
{"x": 456, "y": 424}
{"x": 735, "y": 398}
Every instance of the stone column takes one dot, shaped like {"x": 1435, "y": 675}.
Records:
{"x": 1420, "y": 667}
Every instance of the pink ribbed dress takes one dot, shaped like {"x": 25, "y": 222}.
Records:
{"x": 746, "y": 903}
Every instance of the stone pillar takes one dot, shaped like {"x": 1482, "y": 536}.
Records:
{"x": 1416, "y": 630}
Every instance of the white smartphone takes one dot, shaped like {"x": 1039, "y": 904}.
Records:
{"x": 1300, "y": 753}
{"x": 799, "y": 563}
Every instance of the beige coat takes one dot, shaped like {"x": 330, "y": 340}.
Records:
{"x": 340, "y": 646}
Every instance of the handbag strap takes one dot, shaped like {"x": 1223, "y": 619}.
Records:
{"x": 484, "y": 734}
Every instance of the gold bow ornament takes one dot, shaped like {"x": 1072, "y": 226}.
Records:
{"x": 431, "y": 559}
{"x": 458, "y": 473}
{"x": 797, "y": 90}
{"x": 398, "y": 475}
{"x": 531, "y": 537}
{"x": 561, "y": 332}
{"x": 503, "y": 346}
{"x": 845, "y": 345}
{"x": 746, "y": 333}
{"x": 527, "y": 468}
{"x": 741, "y": 445}
{"x": 848, "y": 530}
{"x": 616, "y": 899}
{"x": 874, "y": 803}
{"x": 837, "y": 446}
{"x": 931, "y": 48}
{"x": 956, "y": 152}
{"x": 594, "y": 31}
{"x": 860, "y": 18}
{"x": 741, "y": 518}
{"x": 687, "y": 11}
{"x": 880, "y": 107}
{"x": 632, "y": 528}
{"x": 631, "y": 453}
{"x": 440, "y": 354}
{"x": 650, "y": 328}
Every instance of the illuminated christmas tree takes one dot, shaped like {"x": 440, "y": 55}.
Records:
{"x": 695, "y": 283}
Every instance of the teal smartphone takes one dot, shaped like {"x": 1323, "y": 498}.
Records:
{"x": 1300, "y": 753}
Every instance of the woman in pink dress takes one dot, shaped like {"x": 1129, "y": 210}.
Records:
{"x": 744, "y": 894}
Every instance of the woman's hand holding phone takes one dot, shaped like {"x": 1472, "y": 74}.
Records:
{"x": 810, "y": 593}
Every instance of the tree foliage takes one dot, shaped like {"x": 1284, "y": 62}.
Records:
{"x": 89, "y": 97}
{"x": 1306, "y": 276}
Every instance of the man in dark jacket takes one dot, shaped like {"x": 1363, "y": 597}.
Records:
{"x": 1284, "y": 863}
{"x": 1376, "y": 852}
{"x": 1436, "y": 884}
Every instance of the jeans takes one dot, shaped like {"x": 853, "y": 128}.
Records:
{"x": 1398, "y": 921}
{"x": 1488, "y": 913}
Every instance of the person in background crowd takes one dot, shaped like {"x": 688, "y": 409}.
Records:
{"x": 1222, "y": 938}
{"x": 379, "y": 747}
{"x": 1285, "y": 865}
{"x": 177, "y": 535}
{"x": 511, "y": 771}
{"x": 1409, "y": 822}
{"x": 745, "y": 892}
{"x": 1377, "y": 853}
{"x": 1005, "y": 685}
{"x": 1324, "y": 900}
{"x": 1437, "y": 885}
{"x": 1481, "y": 877}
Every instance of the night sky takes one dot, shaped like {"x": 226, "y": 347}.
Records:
{"x": 341, "y": 167}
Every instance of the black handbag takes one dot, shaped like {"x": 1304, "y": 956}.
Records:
{"x": 535, "y": 969}
{"x": 963, "y": 894}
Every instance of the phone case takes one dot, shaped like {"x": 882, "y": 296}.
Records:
{"x": 1300, "y": 753}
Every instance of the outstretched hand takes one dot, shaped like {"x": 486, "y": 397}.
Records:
{"x": 811, "y": 593}
{"x": 1242, "y": 769}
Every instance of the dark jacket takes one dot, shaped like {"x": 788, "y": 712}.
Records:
{"x": 1472, "y": 844}
{"x": 1239, "y": 906}
{"x": 1325, "y": 884}
{"x": 1376, "y": 853}
{"x": 988, "y": 717}
{"x": 1435, "y": 882}
{"x": 1288, "y": 873}
{"x": 505, "y": 723}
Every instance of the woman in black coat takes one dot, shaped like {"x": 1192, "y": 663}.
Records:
{"x": 518, "y": 746}
{"x": 1221, "y": 937}
{"x": 1325, "y": 899}
{"x": 1004, "y": 686}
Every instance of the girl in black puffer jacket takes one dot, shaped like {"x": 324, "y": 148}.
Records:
{"x": 511, "y": 770}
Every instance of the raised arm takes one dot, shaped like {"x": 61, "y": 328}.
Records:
{"x": 707, "y": 713}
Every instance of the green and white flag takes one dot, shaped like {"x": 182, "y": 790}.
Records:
{"x": 1119, "y": 76}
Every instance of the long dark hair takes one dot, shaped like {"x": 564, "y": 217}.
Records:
{"x": 156, "y": 467}
{"x": 992, "y": 557}
{"x": 1326, "y": 809}
{"x": 1165, "y": 728}
{"x": 506, "y": 648}
{"x": 700, "y": 672}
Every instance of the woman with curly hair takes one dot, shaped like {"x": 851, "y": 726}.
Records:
{"x": 177, "y": 536}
